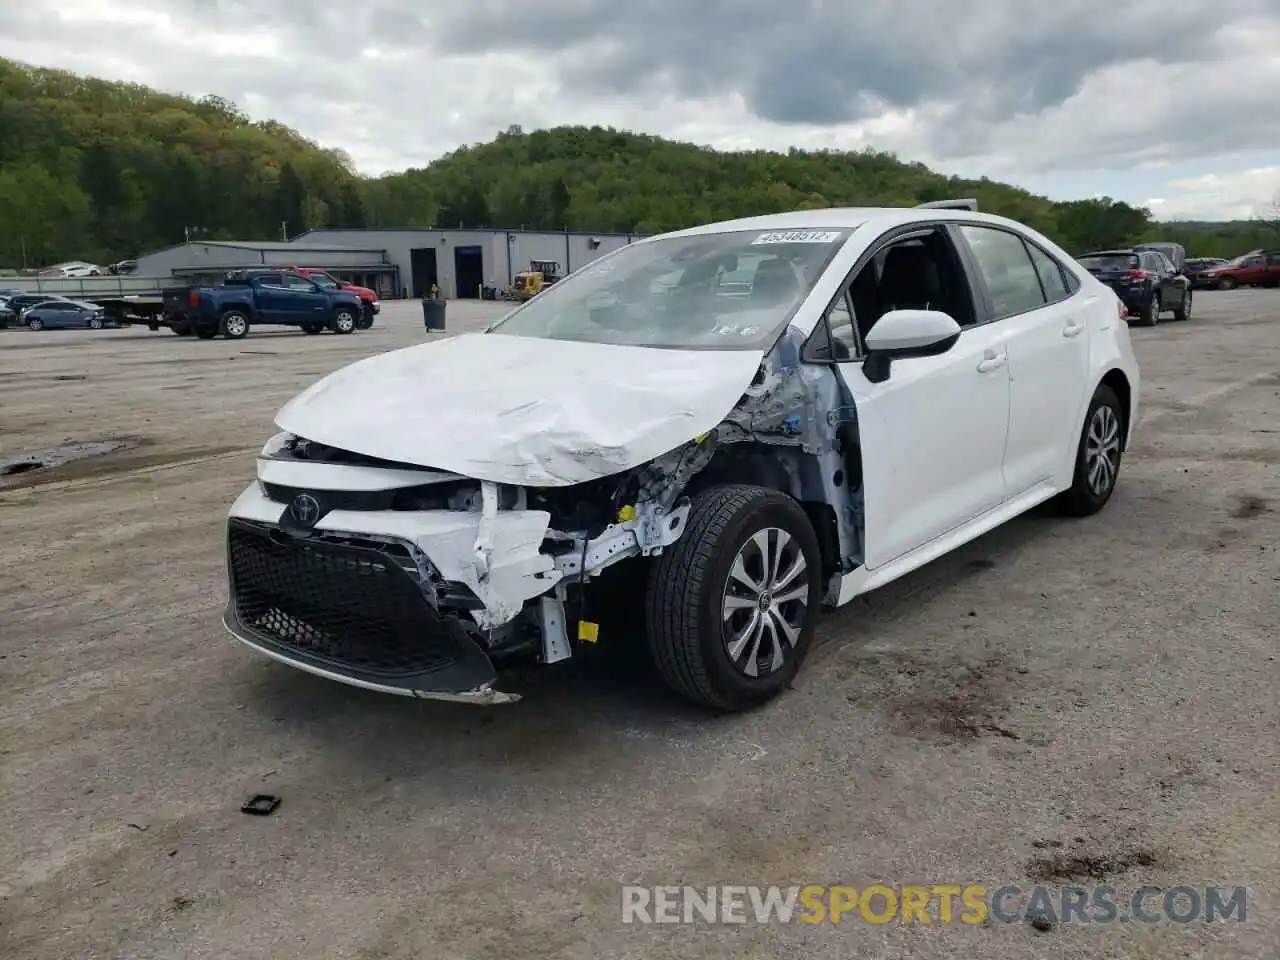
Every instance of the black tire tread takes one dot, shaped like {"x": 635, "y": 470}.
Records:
{"x": 672, "y": 624}
{"x": 1076, "y": 502}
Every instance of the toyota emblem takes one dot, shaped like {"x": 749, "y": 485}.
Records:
{"x": 305, "y": 509}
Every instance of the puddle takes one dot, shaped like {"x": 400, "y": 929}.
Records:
{"x": 27, "y": 461}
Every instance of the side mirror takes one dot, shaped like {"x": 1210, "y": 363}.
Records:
{"x": 901, "y": 334}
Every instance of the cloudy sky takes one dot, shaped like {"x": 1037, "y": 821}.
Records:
{"x": 1173, "y": 104}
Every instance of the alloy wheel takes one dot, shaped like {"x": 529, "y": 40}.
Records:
{"x": 236, "y": 325}
{"x": 1102, "y": 450}
{"x": 765, "y": 602}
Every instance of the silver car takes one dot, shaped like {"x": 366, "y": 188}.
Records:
{"x": 64, "y": 315}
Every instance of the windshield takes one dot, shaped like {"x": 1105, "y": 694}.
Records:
{"x": 717, "y": 291}
{"x": 1110, "y": 261}
{"x": 322, "y": 280}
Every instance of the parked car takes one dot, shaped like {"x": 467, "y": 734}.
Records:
{"x": 72, "y": 269}
{"x": 1144, "y": 280}
{"x": 252, "y": 297}
{"x": 1258, "y": 268}
{"x": 713, "y": 467}
{"x": 7, "y": 314}
{"x": 1175, "y": 253}
{"x": 326, "y": 281}
{"x": 123, "y": 267}
{"x": 24, "y": 301}
{"x": 65, "y": 315}
{"x": 1196, "y": 268}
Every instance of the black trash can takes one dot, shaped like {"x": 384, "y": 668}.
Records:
{"x": 433, "y": 314}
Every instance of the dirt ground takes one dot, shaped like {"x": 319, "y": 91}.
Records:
{"x": 1061, "y": 699}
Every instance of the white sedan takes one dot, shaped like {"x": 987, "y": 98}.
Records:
{"x": 713, "y": 433}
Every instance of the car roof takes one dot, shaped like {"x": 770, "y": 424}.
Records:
{"x": 842, "y": 218}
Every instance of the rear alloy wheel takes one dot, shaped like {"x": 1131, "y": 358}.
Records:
{"x": 1149, "y": 315}
{"x": 95, "y": 323}
{"x": 1098, "y": 456}
{"x": 35, "y": 323}
{"x": 234, "y": 325}
{"x": 344, "y": 321}
{"x": 1183, "y": 310}
{"x": 732, "y": 604}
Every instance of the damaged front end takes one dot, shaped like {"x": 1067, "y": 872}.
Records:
{"x": 425, "y": 583}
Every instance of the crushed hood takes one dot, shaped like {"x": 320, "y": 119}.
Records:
{"x": 520, "y": 410}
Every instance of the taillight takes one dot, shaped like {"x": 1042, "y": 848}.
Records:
{"x": 1137, "y": 275}
{"x": 193, "y": 298}
{"x": 1122, "y": 310}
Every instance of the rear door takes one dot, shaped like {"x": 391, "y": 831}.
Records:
{"x": 270, "y": 297}
{"x": 1043, "y": 319}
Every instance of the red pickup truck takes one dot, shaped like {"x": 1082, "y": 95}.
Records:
{"x": 1258, "y": 268}
{"x": 368, "y": 298}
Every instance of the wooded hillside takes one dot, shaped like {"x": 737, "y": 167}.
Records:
{"x": 98, "y": 171}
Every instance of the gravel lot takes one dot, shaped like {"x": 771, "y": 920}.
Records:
{"x": 1108, "y": 685}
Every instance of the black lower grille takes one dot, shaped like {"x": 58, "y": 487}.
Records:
{"x": 351, "y": 607}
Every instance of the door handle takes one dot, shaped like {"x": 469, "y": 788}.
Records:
{"x": 1073, "y": 329}
{"x": 992, "y": 363}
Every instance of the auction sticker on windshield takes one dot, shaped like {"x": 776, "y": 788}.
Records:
{"x": 798, "y": 236}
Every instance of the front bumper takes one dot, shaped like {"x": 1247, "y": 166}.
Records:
{"x": 348, "y": 611}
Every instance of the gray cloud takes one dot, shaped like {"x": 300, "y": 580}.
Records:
{"x": 1007, "y": 86}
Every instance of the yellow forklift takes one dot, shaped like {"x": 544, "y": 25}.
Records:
{"x": 541, "y": 274}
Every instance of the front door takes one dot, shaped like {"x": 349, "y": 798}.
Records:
{"x": 932, "y": 437}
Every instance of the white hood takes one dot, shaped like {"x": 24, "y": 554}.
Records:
{"x": 520, "y": 410}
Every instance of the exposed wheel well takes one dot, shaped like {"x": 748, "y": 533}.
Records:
{"x": 1119, "y": 383}
{"x": 760, "y": 465}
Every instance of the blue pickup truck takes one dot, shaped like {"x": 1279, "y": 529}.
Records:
{"x": 247, "y": 298}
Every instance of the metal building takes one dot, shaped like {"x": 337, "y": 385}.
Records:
{"x": 365, "y": 265}
{"x": 460, "y": 262}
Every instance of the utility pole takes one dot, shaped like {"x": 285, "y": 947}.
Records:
{"x": 22, "y": 242}
{"x": 284, "y": 231}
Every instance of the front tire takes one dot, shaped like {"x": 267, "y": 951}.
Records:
{"x": 35, "y": 323}
{"x": 1098, "y": 456}
{"x": 344, "y": 320}
{"x": 732, "y": 605}
{"x": 95, "y": 323}
{"x": 1227, "y": 283}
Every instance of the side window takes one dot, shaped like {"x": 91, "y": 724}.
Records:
{"x": 1011, "y": 277}
{"x": 1052, "y": 276}
{"x": 271, "y": 279}
{"x": 295, "y": 282}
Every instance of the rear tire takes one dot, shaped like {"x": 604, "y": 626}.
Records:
{"x": 1098, "y": 456}
{"x": 1149, "y": 315}
{"x": 731, "y": 537}
{"x": 1226, "y": 283}
{"x": 234, "y": 325}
